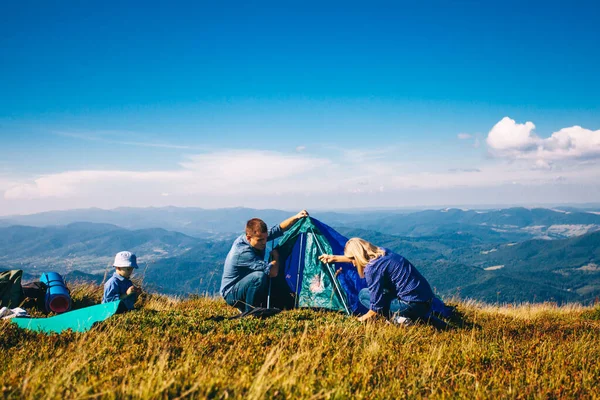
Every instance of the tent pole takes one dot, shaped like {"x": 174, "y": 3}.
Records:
{"x": 297, "y": 300}
{"x": 335, "y": 282}
{"x": 269, "y": 294}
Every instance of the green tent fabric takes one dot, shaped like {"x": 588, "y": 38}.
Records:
{"x": 316, "y": 285}
{"x": 79, "y": 320}
{"x": 11, "y": 292}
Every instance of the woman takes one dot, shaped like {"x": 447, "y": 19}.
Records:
{"x": 395, "y": 288}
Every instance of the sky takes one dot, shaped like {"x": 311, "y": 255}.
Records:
{"x": 318, "y": 105}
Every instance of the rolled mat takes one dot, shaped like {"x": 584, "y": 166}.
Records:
{"x": 58, "y": 298}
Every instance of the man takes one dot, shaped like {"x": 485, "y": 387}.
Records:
{"x": 245, "y": 276}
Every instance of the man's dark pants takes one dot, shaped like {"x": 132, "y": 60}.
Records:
{"x": 252, "y": 290}
{"x": 249, "y": 292}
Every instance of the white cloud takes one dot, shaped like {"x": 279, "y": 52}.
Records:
{"x": 226, "y": 172}
{"x": 240, "y": 173}
{"x": 541, "y": 164}
{"x": 268, "y": 179}
{"x": 508, "y": 136}
{"x": 474, "y": 139}
{"x": 82, "y": 183}
{"x": 6, "y": 183}
{"x": 300, "y": 149}
{"x": 246, "y": 169}
{"x": 518, "y": 141}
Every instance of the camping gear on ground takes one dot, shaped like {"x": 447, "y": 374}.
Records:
{"x": 257, "y": 312}
{"x": 35, "y": 294}
{"x": 313, "y": 283}
{"x": 402, "y": 321}
{"x": 11, "y": 294}
{"x": 6, "y": 313}
{"x": 58, "y": 297}
{"x": 80, "y": 320}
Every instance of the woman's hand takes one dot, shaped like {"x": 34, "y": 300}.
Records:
{"x": 330, "y": 258}
{"x": 370, "y": 314}
{"x": 327, "y": 258}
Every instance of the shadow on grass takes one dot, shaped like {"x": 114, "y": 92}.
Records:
{"x": 459, "y": 320}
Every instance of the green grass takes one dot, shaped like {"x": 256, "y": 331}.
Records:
{"x": 169, "y": 349}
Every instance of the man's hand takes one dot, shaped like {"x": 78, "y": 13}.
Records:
{"x": 285, "y": 225}
{"x": 274, "y": 269}
{"x": 302, "y": 214}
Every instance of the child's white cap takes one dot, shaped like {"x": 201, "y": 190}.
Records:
{"x": 125, "y": 259}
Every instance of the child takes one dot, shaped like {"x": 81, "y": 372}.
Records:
{"x": 119, "y": 286}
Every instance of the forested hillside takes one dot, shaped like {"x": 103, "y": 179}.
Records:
{"x": 489, "y": 255}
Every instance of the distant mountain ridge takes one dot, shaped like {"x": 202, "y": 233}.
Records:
{"x": 561, "y": 270}
{"x": 86, "y": 246}
{"x": 521, "y": 222}
{"x": 489, "y": 255}
{"x": 512, "y": 224}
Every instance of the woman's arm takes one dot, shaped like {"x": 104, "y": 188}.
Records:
{"x": 330, "y": 258}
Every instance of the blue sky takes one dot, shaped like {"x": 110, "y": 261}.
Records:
{"x": 266, "y": 104}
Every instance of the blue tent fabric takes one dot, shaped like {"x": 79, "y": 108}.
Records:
{"x": 349, "y": 278}
{"x": 293, "y": 264}
{"x": 300, "y": 248}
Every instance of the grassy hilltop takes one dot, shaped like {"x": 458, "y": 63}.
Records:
{"x": 169, "y": 349}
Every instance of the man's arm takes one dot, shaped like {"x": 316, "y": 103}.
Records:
{"x": 248, "y": 259}
{"x": 290, "y": 221}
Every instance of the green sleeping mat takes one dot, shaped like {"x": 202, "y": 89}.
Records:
{"x": 78, "y": 320}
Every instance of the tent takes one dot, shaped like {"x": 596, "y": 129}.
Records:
{"x": 313, "y": 283}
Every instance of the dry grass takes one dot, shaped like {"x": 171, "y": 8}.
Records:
{"x": 170, "y": 349}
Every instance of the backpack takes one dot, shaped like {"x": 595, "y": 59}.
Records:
{"x": 35, "y": 294}
{"x": 11, "y": 293}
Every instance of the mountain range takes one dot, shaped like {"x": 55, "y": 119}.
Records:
{"x": 505, "y": 224}
{"x": 507, "y": 255}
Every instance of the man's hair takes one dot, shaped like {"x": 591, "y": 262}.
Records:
{"x": 256, "y": 225}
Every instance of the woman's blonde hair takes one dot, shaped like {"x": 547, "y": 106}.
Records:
{"x": 362, "y": 252}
